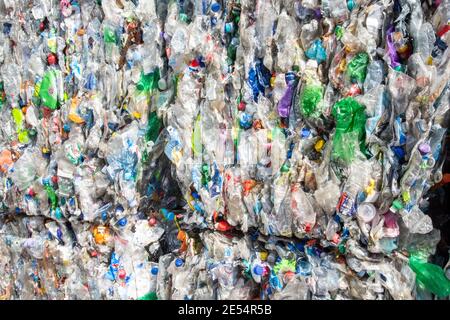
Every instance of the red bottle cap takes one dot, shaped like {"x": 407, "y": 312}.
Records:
{"x": 195, "y": 63}
{"x": 223, "y": 226}
{"x": 52, "y": 59}
{"x": 152, "y": 222}
{"x": 31, "y": 192}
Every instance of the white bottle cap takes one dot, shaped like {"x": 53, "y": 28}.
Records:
{"x": 366, "y": 212}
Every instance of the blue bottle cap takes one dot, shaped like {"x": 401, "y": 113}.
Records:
{"x": 66, "y": 127}
{"x": 229, "y": 27}
{"x": 170, "y": 216}
{"x": 350, "y": 5}
{"x": 215, "y": 7}
{"x": 104, "y": 216}
{"x": 154, "y": 271}
{"x": 179, "y": 262}
{"x": 246, "y": 120}
{"x": 58, "y": 213}
{"x": 258, "y": 270}
{"x": 290, "y": 77}
{"x": 305, "y": 133}
{"x": 122, "y": 222}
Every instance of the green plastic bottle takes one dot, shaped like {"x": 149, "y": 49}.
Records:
{"x": 430, "y": 276}
{"x": 350, "y": 129}
{"x": 310, "y": 98}
{"x": 149, "y": 296}
{"x": 48, "y": 90}
{"x": 148, "y": 82}
{"x": 51, "y": 194}
{"x": 153, "y": 127}
{"x": 357, "y": 67}
{"x": 109, "y": 36}
{"x": 22, "y": 134}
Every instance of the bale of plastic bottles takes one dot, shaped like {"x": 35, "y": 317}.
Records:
{"x": 223, "y": 149}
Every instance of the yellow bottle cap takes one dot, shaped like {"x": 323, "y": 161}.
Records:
{"x": 319, "y": 145}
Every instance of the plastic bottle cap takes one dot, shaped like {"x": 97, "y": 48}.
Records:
{"x": 52, "y": 59}
{"x": 123, "y": 222}
{"x": 152, "y": 222}
{"x": 350, "y": 5}
{"x": 170, "y": 216}
{"x": 66, "y": 127}
{"x": 258, "y": 270}
{"x": 263, "y": 255}
{"x": 179, "y": 262}
{"x": 424, "y": 148}
{"x": 162, "y": 84}
{"x": 229, "y": 27}
{"x": 397, "y": 204}
{"x": 215, "y": 7}
{"x": 406, "y": 196}
{"x": 366, "y": 212}
{"x": 122, "y": 273}
{"x": 154, "y": 271}
{"x": 305, "y": 133}
{"x": 288, "y": 276}
{"x": 58, "y": 213}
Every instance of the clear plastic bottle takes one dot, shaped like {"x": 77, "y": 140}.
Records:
{"x": 303, "y": 213}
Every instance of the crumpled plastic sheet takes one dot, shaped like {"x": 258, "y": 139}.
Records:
{"x": 206, "y": 149}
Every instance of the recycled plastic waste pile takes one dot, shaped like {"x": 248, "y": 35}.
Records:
{"x": 206, "y": 149}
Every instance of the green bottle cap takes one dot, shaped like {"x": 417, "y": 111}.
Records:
{"x": 397, "y": 204}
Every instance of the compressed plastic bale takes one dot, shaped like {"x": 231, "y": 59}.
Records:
{"x": 220, "y": 150}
